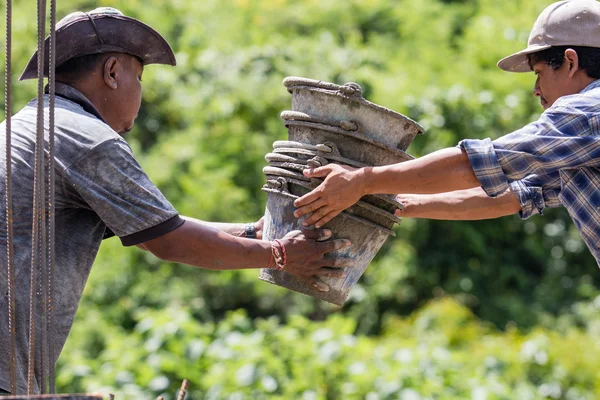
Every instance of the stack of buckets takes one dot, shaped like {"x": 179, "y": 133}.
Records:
{"x": 330, "y": 123}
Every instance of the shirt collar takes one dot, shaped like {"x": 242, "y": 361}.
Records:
{"x": 70, "y": 93}
{"x": 591, "y": 86}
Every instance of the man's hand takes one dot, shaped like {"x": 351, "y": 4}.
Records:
{"x": 258, "y": 228}
{"x": 343, "y": 186}
{"x": 306, "y": 256}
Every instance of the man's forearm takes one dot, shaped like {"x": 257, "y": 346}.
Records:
{"x": 304, "y": 254}
{"x": 443, "y": 171}
{"x": 470, "y": 204}
{"x": 198, "y": 244}
{"x": 234, "y": 229}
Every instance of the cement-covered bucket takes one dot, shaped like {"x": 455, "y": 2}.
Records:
{"x": 366, "y": 237}
{"x": 344, "y": 104}
{"x": 333, "y": 124}
{"x": 377, "y": 209}
{"x": 349, "y": 143}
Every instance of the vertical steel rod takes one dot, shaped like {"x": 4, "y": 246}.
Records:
{"x": 38, "y": 234}
{"x": 51, "y": 197}
{"x": 9, "y": 207}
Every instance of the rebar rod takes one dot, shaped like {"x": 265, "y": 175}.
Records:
{"x": 51, "y": 199}
{"x": 9, "y": 207}
{"x": 37, "y": 231}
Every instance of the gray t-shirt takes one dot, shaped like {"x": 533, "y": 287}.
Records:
{"x": 100, "y": 189}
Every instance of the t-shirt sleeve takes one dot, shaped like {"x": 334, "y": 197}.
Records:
{"x": 113, "y": 184}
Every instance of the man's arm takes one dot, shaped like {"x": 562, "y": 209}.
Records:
{"x": 112, "y": 183}
{"x": 561, "y": 139}
{"x": 199, "y": 245}
{"x": 234, "y": 229}
{"x": 469, "y": 204}
{"x": 443, "y": 171}
{"x": 527, "y": 196}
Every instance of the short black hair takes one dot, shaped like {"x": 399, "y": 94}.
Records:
{"x": 76, "y": 67}
{"x": 589, "y": 58}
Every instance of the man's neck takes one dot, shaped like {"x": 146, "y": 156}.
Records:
{"x": 72, "y": 93}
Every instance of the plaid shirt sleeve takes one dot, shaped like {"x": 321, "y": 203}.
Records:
{"x": 562, "y": 138}
{"x": 537, "y": 192}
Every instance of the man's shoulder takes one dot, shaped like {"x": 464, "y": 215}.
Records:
{"x": 72, "y": 116}
{"x": 69, "y": 116}
{"x": 77, "y": 132}
{"x": 586, "y": 101}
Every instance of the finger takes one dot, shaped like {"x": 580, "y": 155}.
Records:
{"x": 324, "y": 234}
{"x": 316, "y": 216}
{"x": 305, "y": 200}
{"x": 399, "y": 212}
{"x": 328, "y": 217}
{"x": 317, "y": 234}
{"x": 333, "y": 245}
{"x": 316, "y": 283}
{"x": 319, "y": 172}
{"x": 337, "y": 262}
{"x": 331, "y": 272}
{"x": 311, "y": 207}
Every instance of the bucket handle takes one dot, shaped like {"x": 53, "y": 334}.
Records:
{"x": 346, "y": 125}
{"x": 351, "y": 89}
{"x": 322, "y": 154}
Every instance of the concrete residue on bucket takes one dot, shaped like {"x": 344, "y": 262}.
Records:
{"x": 332, "y": 123}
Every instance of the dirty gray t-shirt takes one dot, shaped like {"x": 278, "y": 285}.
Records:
{"x": 100, "y": 189}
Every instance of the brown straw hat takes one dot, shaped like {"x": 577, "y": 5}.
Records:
{"x": 103, "y": 30}
{"x": 564, "y": 23}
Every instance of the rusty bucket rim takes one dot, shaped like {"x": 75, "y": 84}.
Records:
{"x": 298, "y": 82}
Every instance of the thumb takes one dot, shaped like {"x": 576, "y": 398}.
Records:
{"x": 320, "y": 172}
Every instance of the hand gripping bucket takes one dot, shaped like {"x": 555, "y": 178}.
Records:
{"x": 333, "y": 124}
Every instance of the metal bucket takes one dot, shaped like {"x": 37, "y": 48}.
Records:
{"x": 377, "y": 209}
{"x": 351, "y": 144}
{"x": 334, "y": 124}
{"x": 345, "y": 104}
{"x": 366, "y": 237}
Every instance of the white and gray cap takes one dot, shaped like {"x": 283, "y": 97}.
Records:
{"x": 564, "y": 23}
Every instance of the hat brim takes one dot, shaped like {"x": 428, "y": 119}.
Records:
{"x": 519, "y": 62}
{"x": 118, "y": 33}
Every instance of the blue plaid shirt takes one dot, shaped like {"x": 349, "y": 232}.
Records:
{"x": 550, "y": 162}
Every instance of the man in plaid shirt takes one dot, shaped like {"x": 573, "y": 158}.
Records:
{"x": 550, "y": 162}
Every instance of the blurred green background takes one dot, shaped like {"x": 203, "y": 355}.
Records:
{"x": 501, "y": 309}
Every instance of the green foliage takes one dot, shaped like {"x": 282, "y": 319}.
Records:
{"x": 202, "y": 133}
{"x": 442, "y": 352}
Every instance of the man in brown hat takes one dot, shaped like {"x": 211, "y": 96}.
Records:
{"x": 548, "y": 163}
{"x": 102, "y": 191}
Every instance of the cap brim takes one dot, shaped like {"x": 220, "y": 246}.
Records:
{"x": 119, "y": 33}
{"x": 519, "y": 62}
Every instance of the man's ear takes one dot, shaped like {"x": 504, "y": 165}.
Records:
{"x": 110, "y": 73}
{"x": 572, "y": 60}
